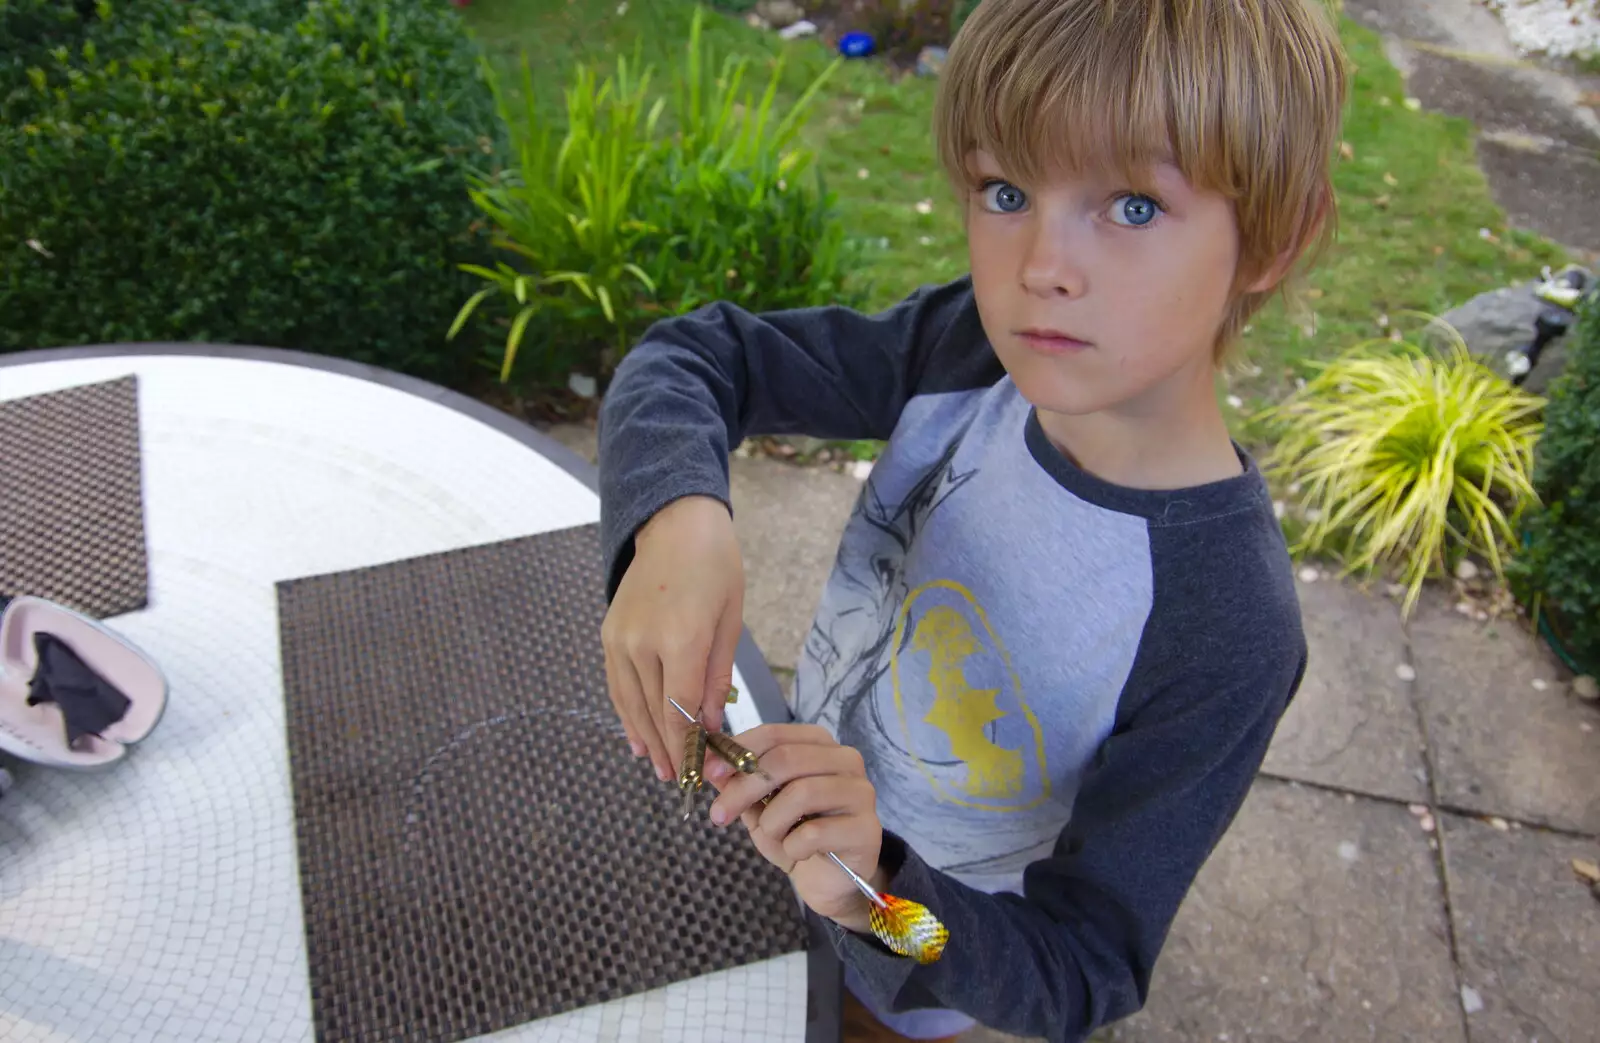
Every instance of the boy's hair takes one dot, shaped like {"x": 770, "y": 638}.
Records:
{"x": 1244, "y": 96}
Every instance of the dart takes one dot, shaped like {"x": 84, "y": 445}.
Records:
{"x": 906, "y": 927}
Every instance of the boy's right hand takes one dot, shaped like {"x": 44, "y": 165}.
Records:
{"x": 673, "y": 627}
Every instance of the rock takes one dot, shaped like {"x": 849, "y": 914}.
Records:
{"x": 798, "y": 29}
{"x": 780, "y": 14}
{"x": 755, "y": 21}
{"x": 1495, "y": 322}
{"x": 1466, "y": 570}
{"x": 1471, "y": 1002}
{"x": 1406, "y": 672}
{"x": 930, "y": 61}
{"x": 1586, "y": 688}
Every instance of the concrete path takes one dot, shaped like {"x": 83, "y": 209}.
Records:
{"x": 1402, "y": 870}
{"x": 1538, "y": 132}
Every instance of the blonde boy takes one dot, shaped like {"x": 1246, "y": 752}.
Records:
{"x": 1061, "y": 626}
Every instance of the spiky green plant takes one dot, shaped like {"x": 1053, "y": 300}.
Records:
{"x": 1406, "y": 459}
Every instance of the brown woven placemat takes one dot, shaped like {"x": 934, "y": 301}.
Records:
{"x": 478, "y": 848}
{"x": 71, "y": 503}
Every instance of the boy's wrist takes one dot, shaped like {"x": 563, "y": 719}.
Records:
{"x": 858, "y": 920}
{"x": 670, "y": 514}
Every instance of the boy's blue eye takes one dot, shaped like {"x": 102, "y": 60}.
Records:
{"x": 1134, "y": 210}
{"x": 1003, "y": 197}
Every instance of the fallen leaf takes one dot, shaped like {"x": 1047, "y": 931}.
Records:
{"x": 1347, "y": 150}
{"x": 925, "y": 206}
{"x": 1381, "y": 202}
{"x": 1314, "y": 293}
{"x": 1586, "y": 869}
{"x": 1389, "y": 179}
{"x": 1437, "y": 250}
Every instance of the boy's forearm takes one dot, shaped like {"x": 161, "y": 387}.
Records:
{"x": 663, "y": 437}
{"x": 698, "y": 384}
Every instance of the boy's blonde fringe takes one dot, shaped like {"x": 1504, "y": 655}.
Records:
{"x": 1244, "y": 96}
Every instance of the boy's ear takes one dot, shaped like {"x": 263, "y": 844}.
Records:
{"x": 1309, "y": 231}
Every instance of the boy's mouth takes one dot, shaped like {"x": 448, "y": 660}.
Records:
{"x": 1055, "y": 342}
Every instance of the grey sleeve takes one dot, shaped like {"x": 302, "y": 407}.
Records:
{"x": 697, "y": 385}
{"x": 1222, "y": 655}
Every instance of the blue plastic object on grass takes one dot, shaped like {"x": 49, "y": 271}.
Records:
{"x": 856, "y": 45}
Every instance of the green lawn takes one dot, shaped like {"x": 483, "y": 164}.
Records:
{"x": 1412, "y": 198}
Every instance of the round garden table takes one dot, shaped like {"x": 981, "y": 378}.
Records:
{"x": 159, "y": 900}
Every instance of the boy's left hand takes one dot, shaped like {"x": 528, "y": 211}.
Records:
{"x": 818, "y": 777}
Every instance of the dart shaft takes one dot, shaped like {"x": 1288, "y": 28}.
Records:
{"x": 855, "y": 878}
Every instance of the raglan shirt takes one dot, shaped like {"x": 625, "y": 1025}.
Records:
{"x": 1062, "y": 688}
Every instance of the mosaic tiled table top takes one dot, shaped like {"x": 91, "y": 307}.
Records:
{"x": 159, "y": 900}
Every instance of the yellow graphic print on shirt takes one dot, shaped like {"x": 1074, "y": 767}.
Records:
{"x": 960, "y": 710}
{"x": 943, "y": 633}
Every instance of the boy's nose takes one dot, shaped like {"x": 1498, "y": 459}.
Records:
{"x": 1051, "y": 267}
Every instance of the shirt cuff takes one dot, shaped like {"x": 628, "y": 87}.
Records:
{"x": 882, "y": 971}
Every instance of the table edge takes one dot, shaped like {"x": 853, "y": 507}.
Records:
{"x": 824, "y": 977}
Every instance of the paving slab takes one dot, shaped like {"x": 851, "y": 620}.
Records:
{"x": 1494, "y": 96}
{"x": 1353, "y": 724}
{"x": 1463, "y": 24}
{"x": 1319, "y": 919}
{"x": 1506, "y": 736}
{"x": 1553, "y": 194}
{"x": 582, "y": 439}
{"x": 1537, "y": 136}
{"x": 789, "y": 519}
{"x": 1527, "y": 932}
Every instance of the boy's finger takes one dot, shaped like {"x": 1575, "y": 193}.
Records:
{"x": 684, "y": 674}
{"x": 647, "y": 678}
{"x": 766, "y": 847}
{"x": 719, "y": 669}
{"x": 808, "y": 798}
{"x": 781, "y": 768}
{"x": 619, "y": 705}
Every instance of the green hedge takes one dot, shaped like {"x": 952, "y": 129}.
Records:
{"x": 1561, "y": 563}
{"x": 166, "y": 174}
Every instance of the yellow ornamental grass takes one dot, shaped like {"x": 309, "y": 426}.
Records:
{"x": 1407, "y": 459}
